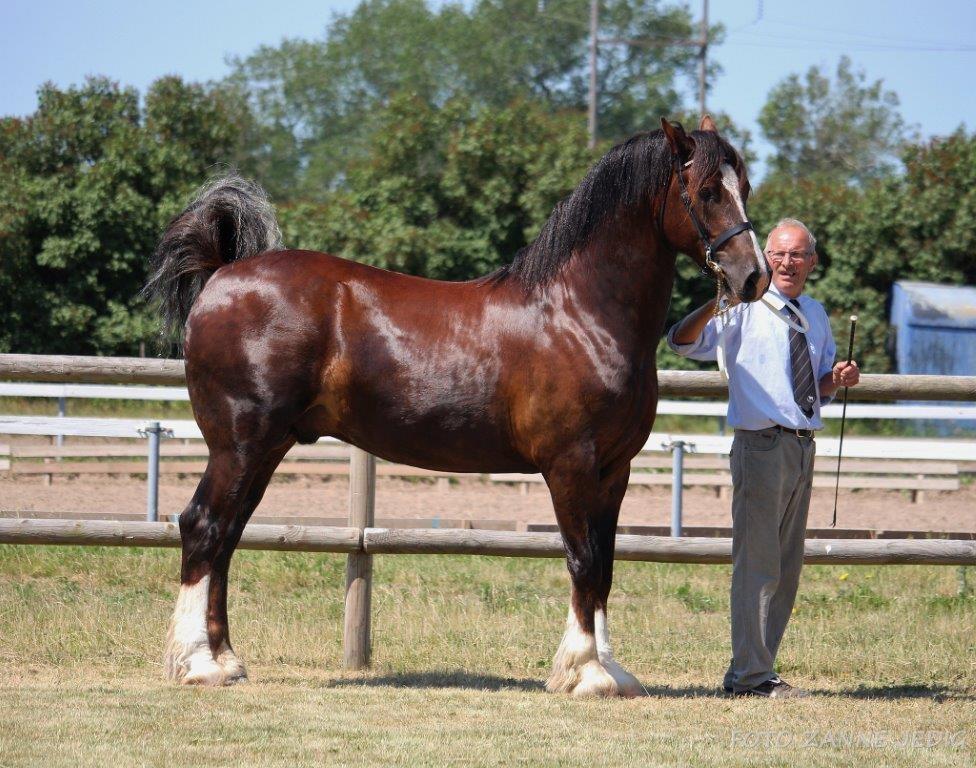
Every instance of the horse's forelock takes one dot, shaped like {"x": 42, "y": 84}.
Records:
{"x": 710, "y": 152}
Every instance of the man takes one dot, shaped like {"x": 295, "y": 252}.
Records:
{"x": 778, "y": 379}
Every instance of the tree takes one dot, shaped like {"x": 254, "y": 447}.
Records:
{"x": 89, "y": 181}
{"x": 918, "y": 225}
{"x": 450, "y": 193}
{"x": 319, "y": 100}
{"x": 848, "y": 130}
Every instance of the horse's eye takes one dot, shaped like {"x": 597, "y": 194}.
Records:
{"x": 708, "y": 195}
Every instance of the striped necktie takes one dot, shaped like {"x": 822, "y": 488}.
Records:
{"x": 804, "y": 387}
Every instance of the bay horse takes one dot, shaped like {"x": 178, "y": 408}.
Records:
{"x": 547, "y": 365}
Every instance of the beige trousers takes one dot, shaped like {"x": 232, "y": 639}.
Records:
{"x": 772, "y": 473}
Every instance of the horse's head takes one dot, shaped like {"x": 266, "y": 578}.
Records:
{"x": 705, "y": 214}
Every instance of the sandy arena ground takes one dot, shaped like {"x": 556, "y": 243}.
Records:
{"x": 475, "y": 500}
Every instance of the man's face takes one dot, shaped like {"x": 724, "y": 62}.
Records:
{"x": 790, "y": 258}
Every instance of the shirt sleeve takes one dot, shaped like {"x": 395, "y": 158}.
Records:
{"x": 827, "y": 358}
{"x": 702, "y": 348}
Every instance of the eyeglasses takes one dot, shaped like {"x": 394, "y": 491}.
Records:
{"x": 778, "y": 257}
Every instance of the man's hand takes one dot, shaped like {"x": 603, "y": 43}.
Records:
{"x": 846, "y": 374}
{"x": 843, "y": 374}
{"x": 693, "y": 324}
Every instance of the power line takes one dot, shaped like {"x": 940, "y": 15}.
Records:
{"x": 867, "y": 42}
{"x": 651, "y": 41}
{"x": 867, "y": 35}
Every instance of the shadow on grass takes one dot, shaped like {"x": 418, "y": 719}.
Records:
{"x": 446, "y": 679}
{"x": 937, "y": 693}
{"x": 440, "y": 679}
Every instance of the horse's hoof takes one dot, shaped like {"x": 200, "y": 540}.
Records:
{"x": 628, "y": 686}
{"x": 203, "y": 669}
{"x": 595, "y": 682}
{"x": 233, "y": 667}
{"x": 199, "y": 667}
{"x": 203, "y": 672}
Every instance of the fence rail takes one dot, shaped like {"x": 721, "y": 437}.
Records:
{"x": 369, "y": 541}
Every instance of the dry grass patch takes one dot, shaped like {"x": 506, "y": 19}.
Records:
{"x": 461, "y": 646}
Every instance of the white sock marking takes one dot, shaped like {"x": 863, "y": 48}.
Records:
{"x": 603, "y": 650}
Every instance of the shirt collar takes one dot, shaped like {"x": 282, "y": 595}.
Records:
{"x": 777, "y": 300}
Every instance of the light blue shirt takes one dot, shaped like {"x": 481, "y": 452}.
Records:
{"x": 757, "y": 360}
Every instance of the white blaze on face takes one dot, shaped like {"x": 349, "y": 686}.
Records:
{"x": 731, "y": 183}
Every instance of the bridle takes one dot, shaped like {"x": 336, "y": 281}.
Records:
{"x": 713, "y": 269}
{"x": 710, "y": 246}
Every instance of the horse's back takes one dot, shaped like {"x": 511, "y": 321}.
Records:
{"x": 411, "y": 369}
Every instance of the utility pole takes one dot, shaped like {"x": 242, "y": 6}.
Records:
{"x": 702, "y": 58}
{"x": 700, "y": 42}
{"x": 594, "y": 29}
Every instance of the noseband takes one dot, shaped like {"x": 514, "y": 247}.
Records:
{"x": 711, "y": 246}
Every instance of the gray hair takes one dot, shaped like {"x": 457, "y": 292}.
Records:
{"x": 799, "y": 225}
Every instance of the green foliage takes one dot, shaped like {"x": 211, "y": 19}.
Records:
{"x": 435, "y": 141}
{"x": 88, "y": 182}
{"x": 450, "y": 193}
{"x": 319, "y": 103}
{"x": 845, "y": 130}
{"x": 917, "y": 226}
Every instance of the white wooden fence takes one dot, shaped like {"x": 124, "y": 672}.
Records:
{"x": 361, "y": 541}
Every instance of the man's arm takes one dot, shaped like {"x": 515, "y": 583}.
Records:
{"x": 843, "y": 374}
{"x": 691, "y": 327}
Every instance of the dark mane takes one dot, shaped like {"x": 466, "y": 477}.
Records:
{"x": 629, "y": 174}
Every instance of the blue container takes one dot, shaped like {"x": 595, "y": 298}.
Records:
{"x": 934, "y": 332}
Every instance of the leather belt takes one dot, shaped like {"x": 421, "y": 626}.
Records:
{"x": 792, "y": 431}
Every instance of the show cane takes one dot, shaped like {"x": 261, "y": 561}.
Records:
{"x": 843, "y": 418}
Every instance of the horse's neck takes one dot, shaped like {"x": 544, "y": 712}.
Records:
{"x": 625, "y": 278}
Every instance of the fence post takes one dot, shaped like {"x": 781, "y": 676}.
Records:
{"x": 62, "y": 412}
{"x": 359, "y": 565}
{"x": 677, "y": 485}
{"x": 152, "y": 476}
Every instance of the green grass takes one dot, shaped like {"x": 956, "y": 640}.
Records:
{"x": 461, "y": 647}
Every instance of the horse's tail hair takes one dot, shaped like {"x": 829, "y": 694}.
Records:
{"x": 229, "y": 219}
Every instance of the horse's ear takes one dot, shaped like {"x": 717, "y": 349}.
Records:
{"x": 707, "y": 124}
{"x": 681, "y": 145}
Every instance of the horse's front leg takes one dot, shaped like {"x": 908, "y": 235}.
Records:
{"x": 587, "y": 508}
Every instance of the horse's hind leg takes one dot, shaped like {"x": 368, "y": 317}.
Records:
{"x": 198, "y": 646}
{"x": 587, "y": 509}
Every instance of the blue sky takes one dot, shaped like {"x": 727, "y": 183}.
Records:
{"x": 925, "y": 52}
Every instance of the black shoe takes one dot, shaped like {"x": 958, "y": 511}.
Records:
{"x": 726, "y": 688}
{"x": 774, "y": 689}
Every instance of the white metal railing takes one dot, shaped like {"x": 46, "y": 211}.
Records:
{"x": 678, "y": 444}
{"x": 665, "y": 407}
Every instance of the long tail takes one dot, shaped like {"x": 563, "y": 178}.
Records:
{"x": 229, "y": 219}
